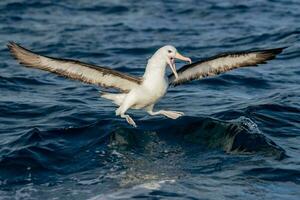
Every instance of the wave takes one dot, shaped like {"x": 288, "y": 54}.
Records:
{"x": 65, "y": 151}
{"x": 275, "y": 174}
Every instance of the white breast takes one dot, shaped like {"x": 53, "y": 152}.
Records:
{"x": 154, "y": 84}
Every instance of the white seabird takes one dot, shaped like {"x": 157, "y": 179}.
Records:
{"x": 143, "y": 92}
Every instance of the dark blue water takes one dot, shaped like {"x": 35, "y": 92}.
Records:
{"x": 239, "y": 139}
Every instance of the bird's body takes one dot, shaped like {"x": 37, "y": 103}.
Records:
{"x": 153, "y": 87}
{"x": 144, "y": 92}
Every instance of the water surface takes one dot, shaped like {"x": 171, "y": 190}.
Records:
{"x": 239, "y": 138}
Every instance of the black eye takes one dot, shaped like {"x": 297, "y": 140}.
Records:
{"x": 169, "y": 51}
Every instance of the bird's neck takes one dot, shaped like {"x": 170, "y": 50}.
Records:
{"x": 155, "y": 70}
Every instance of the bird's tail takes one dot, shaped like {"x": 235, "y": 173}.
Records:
{"x": 116, "y": 98}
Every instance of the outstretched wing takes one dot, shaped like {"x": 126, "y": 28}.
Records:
{"x": 73, "y": 69}
{"x": 222, "y": 63}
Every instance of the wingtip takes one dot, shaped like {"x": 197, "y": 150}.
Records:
{"x": 10, "y": 44}
{"x": 277, "y": 50}
{"x": 283, "y": 48}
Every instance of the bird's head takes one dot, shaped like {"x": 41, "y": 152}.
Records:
{"x": 169, "y": 53}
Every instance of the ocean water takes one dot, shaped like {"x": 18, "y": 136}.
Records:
{"x": 239, "y": 138}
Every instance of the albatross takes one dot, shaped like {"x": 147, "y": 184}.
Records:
{"x": 143, "y": 92}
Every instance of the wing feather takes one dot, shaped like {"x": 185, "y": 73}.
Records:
{"x": 74, "y": 69}
{"x": 222, "y": 63}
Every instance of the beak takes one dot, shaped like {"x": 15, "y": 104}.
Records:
{"x": 171, "y": 62}
{"x": 181, "y": 57}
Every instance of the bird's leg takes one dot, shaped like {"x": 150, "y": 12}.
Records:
{"x": 129, "y": 120}
{"x": 167, "y": 113}
{"x": 127, "y": 117}
{"x": 122, "y": 109}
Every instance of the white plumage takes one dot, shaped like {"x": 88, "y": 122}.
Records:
{"x": 143, "y": 92}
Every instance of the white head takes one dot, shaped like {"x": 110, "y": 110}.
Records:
{"x": 169, "y": 53}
